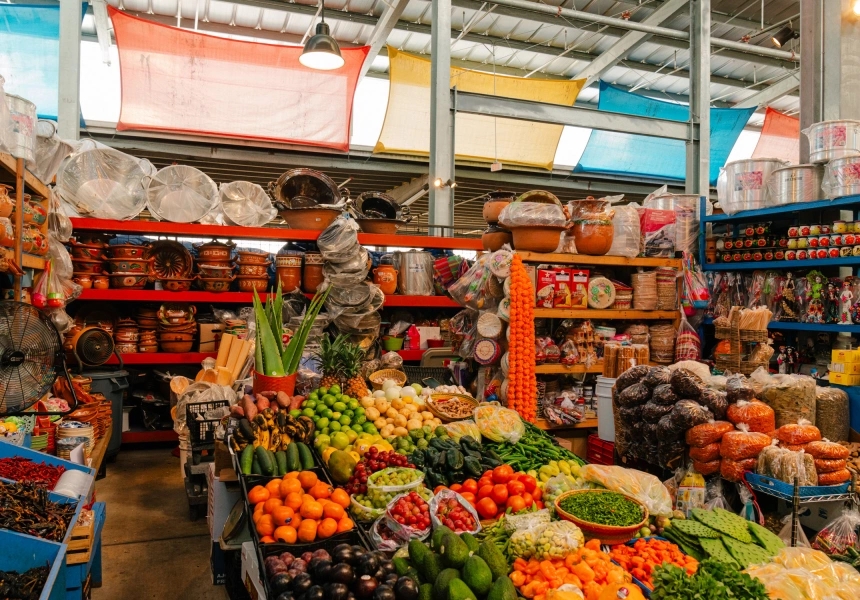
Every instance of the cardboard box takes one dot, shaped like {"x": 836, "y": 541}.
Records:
{"x": 251, "y": 572}
{"x": 222, "y": 498}
{"x": 217, "y": 564}
{"x": 211, "y": 332}
{"x": 845, "y": 356}
{"x": 579, "y": 288}
{"x": 429, "y": 333}
{"x": 844, "y": 379}
{"x": 814, "y": 515}
{"x": 847, "y": 368}
{"x": 208, "y": 346}
{"x": 561, "y": 287}
{"x": 545, "y": 290}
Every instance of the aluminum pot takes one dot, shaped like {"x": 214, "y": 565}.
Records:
{"x": 415, "y": 273}
{"x": 830, "y": 140}
{"x": 743, "y": 183}
{"x": 843, "y": 177}
{"x": 798, "y": 183}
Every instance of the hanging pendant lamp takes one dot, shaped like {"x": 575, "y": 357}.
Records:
{"x": 322, "y": 51}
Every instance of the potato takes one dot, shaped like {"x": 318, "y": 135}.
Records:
{"x": 398, "y": 403}
{"x": 407, "y": 410}
{"x": 391, "y": 412}
{"x": 382, "y": 404}
{"x": 414, "y": 424}
{"x": 237, "y": 411}
{"x": 400, "y": 432}
{"x": 262, "y": 402}
{"x": 400, "y": 421}
{"x": 371, "y": 413}
{"x": 427, "y": 415}
{"x": 389, "y": 420}
{"x": 387, "y": 431}
{"x": 380, "y": 423}
{"x": 367, "y": 401}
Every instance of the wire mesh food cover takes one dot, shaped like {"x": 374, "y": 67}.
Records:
{"x": 247, "y": 204}
{"x": 181, "y": 194}
{"x": 103, "y": 183}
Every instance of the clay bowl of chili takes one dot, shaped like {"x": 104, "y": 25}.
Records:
{"x": 607, "y": 534}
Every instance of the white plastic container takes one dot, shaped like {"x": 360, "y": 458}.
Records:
{"x": 605, "y": 418}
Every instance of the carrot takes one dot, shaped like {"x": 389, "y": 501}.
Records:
{"x": 518, "y": 578}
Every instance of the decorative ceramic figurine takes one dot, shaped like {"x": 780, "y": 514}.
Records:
{"x": 845, "y": 298}
{"x": 833, "y": 293}
{"x": 815, "y": 309}
{"x": 788, "y": 301}
{"x": 782, "y": 360}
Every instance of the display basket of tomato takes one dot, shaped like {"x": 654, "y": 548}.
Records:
{"x": 596, "y": 526}
{"x": 302, "y": 510}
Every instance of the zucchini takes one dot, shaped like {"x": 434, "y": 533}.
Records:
{"x": 305, "y": 456}
{"x": 281, "y": 459}
{"x": 266, "y": 466}
{"x": 246, "y": 461}
{"x": 293, "y": 461}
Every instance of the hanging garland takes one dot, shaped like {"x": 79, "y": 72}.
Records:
{"x": 522, "y": 385}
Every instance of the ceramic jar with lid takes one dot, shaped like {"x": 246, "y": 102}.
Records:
{"x": 385, "y": 275}
{"x": 289, "y": 268}
{"x": 312, "y": 275}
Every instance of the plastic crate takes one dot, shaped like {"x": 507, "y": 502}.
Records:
{"x": 599, "y": 452}
{"x": 202, "y": 433}
{"x": 785, "y": 491}
{"x": 19, "y": 552}
{"x": 10, "y": 451}
{"x": 417, "y": 374}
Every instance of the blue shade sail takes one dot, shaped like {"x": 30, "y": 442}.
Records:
{"x": 640, "y": 155}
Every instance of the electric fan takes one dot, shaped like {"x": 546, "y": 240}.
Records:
{"x": 31, "y": 357}
{"x": 93, "y": 347}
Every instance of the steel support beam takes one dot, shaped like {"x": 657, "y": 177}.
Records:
{"x": 699, "y": 151}
{"x": 820, "y": 66}
{"x": 441, "y": 205}
{"x": 719, "y": 18}
{"x": 69, "y": 98}
{"x": 772, "y": 92}
{"x": 383, "y": 28}
{"x": 629, "y": 42}
{"x": 575, "y": 116}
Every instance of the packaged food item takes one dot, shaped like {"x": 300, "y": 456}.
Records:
{"x": 827, "y": 449}
{"x": 831, "y": 406}
{"x": 631, "y": 376}
{"x": 733, "y": 470}
{"x": 707, "y": 468}
{"x": 664, "y": 395}
{"x": 758, "y": 416}
{"x": 715, "y": 401}
{"x": 686, "y": 414}
{"x": 743, "y": 443}
{"x": 801, "y": 432}
{"x": 653, "y": 412}
{"x": 634, "y": 395}
{"x": 708, "y": 433}
{"x": 792, "y": 397}
{"x": 499, "y": 424}
{"x": 739, "y": 388}
{"x": 834, "y": 478}
{"x": 840, "y": 534}
{"x": 657, "y": 376}
{"x": 686, "y": 384}
{"x": 705, "y": 453}
{"x": 824, "y": 465}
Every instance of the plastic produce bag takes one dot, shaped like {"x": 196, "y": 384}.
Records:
{"x": 834, "y": 477}
{"x": 50, "y": 151}
{"x": 739, "y": 388}
{"x": 733, "y": 470}
{"x": 827, "y": 450}
{"x": 707, "y": 468}
{"x": 800, "y": 542}
{"x": 631, "y": 376}
{"x": 372, "y": 486}
{"x": 714, "y": 497}
{"x": 743, "y": 443}
{"x": 457, "y": 429}
{"x": 792, "y": 398}
{"x": 625, "y": 240}
{"x": 59, "y": 225}
{"x": 644, "y": 487}
{"x": 705, "y": 453}
{"x": 801, "y": 432}
{"x": 528, "y": 520}
{"x": 445, "y": 495}
{"x": 363, "y": 513}
{"x": 499, "y": 424}
{"x": 757, "y": 416}
{"x": 558, "y": 539}
{"x": 473, "y": 288}
{"x": 384, "y": 538}
{"x": 535, "y": 214}
{"x": 831, "y": 406}
{"x": 840, "y": 534}
{"x": 688, "y": 346}
{"x": 401, "y": 530}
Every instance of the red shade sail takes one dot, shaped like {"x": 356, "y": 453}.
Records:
{"x": 187, "y": 82}
{"x": 780, "y": 137}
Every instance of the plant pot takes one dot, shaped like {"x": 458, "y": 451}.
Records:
{"x": 494, "y": 203}
{"x": 537, "y": 239}
{"x": 315, "y": 219}
{"x": 392, "y": 344}
{"x": 127, "y": 251}
{"x": 264, "y": 383}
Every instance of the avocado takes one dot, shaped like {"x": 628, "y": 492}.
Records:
{"x": 436, "y": 538}
{"x": 431, "y": 567}
{"x": 440, "y": 588}
{"x": 503, "y": 589}
{"x": 417, "y": 553}
{"x": 477, "y": 575}
{"x": 454, "y": 551}
{"x": 494, "y": 559}
{"x": 458, "y": 590}
{"x": 413, "y": 574}
{"x": 401, "y": 565}
{"x": 470, "y": 540}
{"x": 425, "y": 591}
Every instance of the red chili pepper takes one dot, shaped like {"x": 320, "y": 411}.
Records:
{"x": 23, "y": 469}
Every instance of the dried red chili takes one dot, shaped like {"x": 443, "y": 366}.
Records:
{"x": 25, "y": 470}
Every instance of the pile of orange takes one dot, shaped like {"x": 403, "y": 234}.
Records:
{"x": 522, "y": 383}
{"x": 298, "y": 509}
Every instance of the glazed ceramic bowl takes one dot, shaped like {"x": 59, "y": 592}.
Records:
{"x": 100, "y": 282}
{"x": 177, "y": 285}
{"x": 256, "y": 257}
{"x": 129, "y": 281}
{"x": 215, "y": 270}
{"x": 129, "y": 348}
{"x": 85, "y": 265}
{"x": 215, "y": 284}
{"x": 249, "y": 284}
{"x": 127, "y": 251}
{"x": 254, "y": 269}
{"x": 87, "y": 252}
{"x": 147, "y": 348}
{"x": 85, "y": 281}
{"x": 128, "y": 265}
{"x": 176, "y": 346}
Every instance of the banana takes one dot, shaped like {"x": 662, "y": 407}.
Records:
{"x": 263, "y": 436}
{"x": 275, "y": 441}
{"x": 564, "y": 467}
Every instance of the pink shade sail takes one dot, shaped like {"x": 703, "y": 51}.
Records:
{"x": 780, "y": 137}
{"x": 187, "y": 82}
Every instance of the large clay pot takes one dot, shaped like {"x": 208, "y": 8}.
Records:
{"x": 495, "y": 237}
{"x": 289, "y": 268}
{"x": 385, "y": 276}
{"x": 494, "y": 203}
{"x": 312, "y": 273}
{"x": 592, "y": 226}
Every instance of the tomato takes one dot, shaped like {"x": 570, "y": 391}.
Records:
{"x": 515, "y": 503}
{"x": 485, "y": 491}
{"x": 485, "y": 480}
{"x": 487, "y": 508}
{"x": 527, "y": 498}
{"x": 537, "y": 493}
{"x": 471, "y": 486}
{"x": 456, "y": 487}
{"x": 515, "y": 488}
{"x": 438, "y": 489}
{"x": 500, "y": 494}
{"x": 502, "y": 474}
{"x": 468, "y": 497}
{"x": 539, "y": 504}
{"x": 529, "y": 481}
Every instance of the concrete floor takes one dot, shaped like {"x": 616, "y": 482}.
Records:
{"x": 150, "y": 547}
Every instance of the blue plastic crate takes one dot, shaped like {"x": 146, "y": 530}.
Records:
{"x": 780, "y": 489}
{"x": 10, "y": 451}
{"x": 21, "y": 552}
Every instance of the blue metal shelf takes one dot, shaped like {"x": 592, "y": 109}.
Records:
{"x": 780, "y": 211}
{"x": 789, "y": 326}
{"x": 783, "y": 264}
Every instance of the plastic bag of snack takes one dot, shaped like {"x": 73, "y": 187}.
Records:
{"x": 743, "y": 443}
{"x": 733, "y": 470}
{"x": 707, "y": 468}
{"x": 686, "y": 384}
{"x": 739, "y": 388}
{"x": 657, "y": 376}
{"x": 499, "y": 424}
{"x": 686, "y": 414}
{"x": 664, "y": 395}
{"x": 708, "y": 433}
{"x": 834, "y": 477}
{"x": 767, "y": 458}
{"x": 631, "y": 376}
{"x": 636, "y": 394}
{"x": 714, "y": 401}
{"x": 801, "y": 432}
{"x": 827, "y": 450}
{"x": 457, "y": 429}
{"x": 825, "y": 465}
{"x": 652, "y": 413}
{"x": 840, "y": 534}
{"x": 758, "y": 416}
{"x": 705, "y": 453}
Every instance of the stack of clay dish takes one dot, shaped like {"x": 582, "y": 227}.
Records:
{"x": 76, "y": 429}
{"x": 176, "y": 327}
{"x": 215, "y": 266}
{"x": 126, "y": 336}
{"x": 88, "y": 260}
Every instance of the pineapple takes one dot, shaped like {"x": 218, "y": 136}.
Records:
{"x": 351, "y": 357}
{"x": 329, "y": 357}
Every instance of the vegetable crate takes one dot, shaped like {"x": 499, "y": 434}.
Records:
{"x": 20, "y": 553}
{"x": 12, "y": 451}
{"x": 202, "y": 432}
{"x": 600, "y": 452}
{"x": 80, "y": 543}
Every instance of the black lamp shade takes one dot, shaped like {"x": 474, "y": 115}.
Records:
{"x": 322, "y": 51}
{"x": 784, "y": 35}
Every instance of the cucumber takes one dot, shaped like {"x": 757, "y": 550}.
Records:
{"x": 266, "y": 466}
{"x": 281, "y": 458}
{"x": 255, "y": 466}
{"x": 246, "y": 461}
{"x": 293, "y": 461}
{"x": 305, "y": 456}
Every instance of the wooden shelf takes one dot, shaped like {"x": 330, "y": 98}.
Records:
{"x": 149, "y": 437}
{"x": 630, "y": 315}
{"x": 559, "y": 369}
{"x": 584, "y": 259}
{"x": 97, "y": 456}
{"x": 31, "y": 181}
{"x": 31, "y": 261}
{"x": 266, "y": 233}
{"x": 587, "y": 424}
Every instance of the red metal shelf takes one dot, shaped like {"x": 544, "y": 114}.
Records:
{"x": 162, "y": 358}
{"x": 149, "y": 437}
{"x": 239, "y": 298}
{"x": 266, "y": 233}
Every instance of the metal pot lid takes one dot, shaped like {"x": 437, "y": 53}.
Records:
{"x": 215, "y": 244}
{"x": 306, "y": 188}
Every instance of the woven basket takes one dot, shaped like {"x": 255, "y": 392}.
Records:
{"x": 753, "y": 335}
{"x": 607, "y": 534}
{"x": 722, "y": 333}
{"x": 748, "y": 366}
{"x": 729, "y": 362}
{"x": 446, "y": 418}
{"x": 378, "y": 378}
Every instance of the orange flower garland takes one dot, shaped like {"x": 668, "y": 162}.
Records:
{"x": 522, "y": 384}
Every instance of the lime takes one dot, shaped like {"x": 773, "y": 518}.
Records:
{"x": 336, "y": 415}
{"x": 353, "y": 404}
{"x": 348, "y": 413}
{"x": 308, "y": 412}
{"x": 322, "y": 439}
{"x": 339, "y": 440}
{"x": 328, "y": 400}
{"x": 310, "y": 403}
{"x": 339, "y": 406}
{"x": 344, "y": 420}
{"x": 357, "y": 428}
{"x": 313, "y": 396}
{"x": 360, "y": 419}
{"x": 359, "y": 411}
{"x": 326, "y": 413}
{"x": 335, "y": 389}
{"x": 322, "y": 391}
{"x": 352, "y": 435}
{"x": 334, "y": 426}
{"x": 322, "y": 422}
{"x": 369, "y": 428}
{"x": 324, "y": 431}
{"x": 295, "y": 413}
